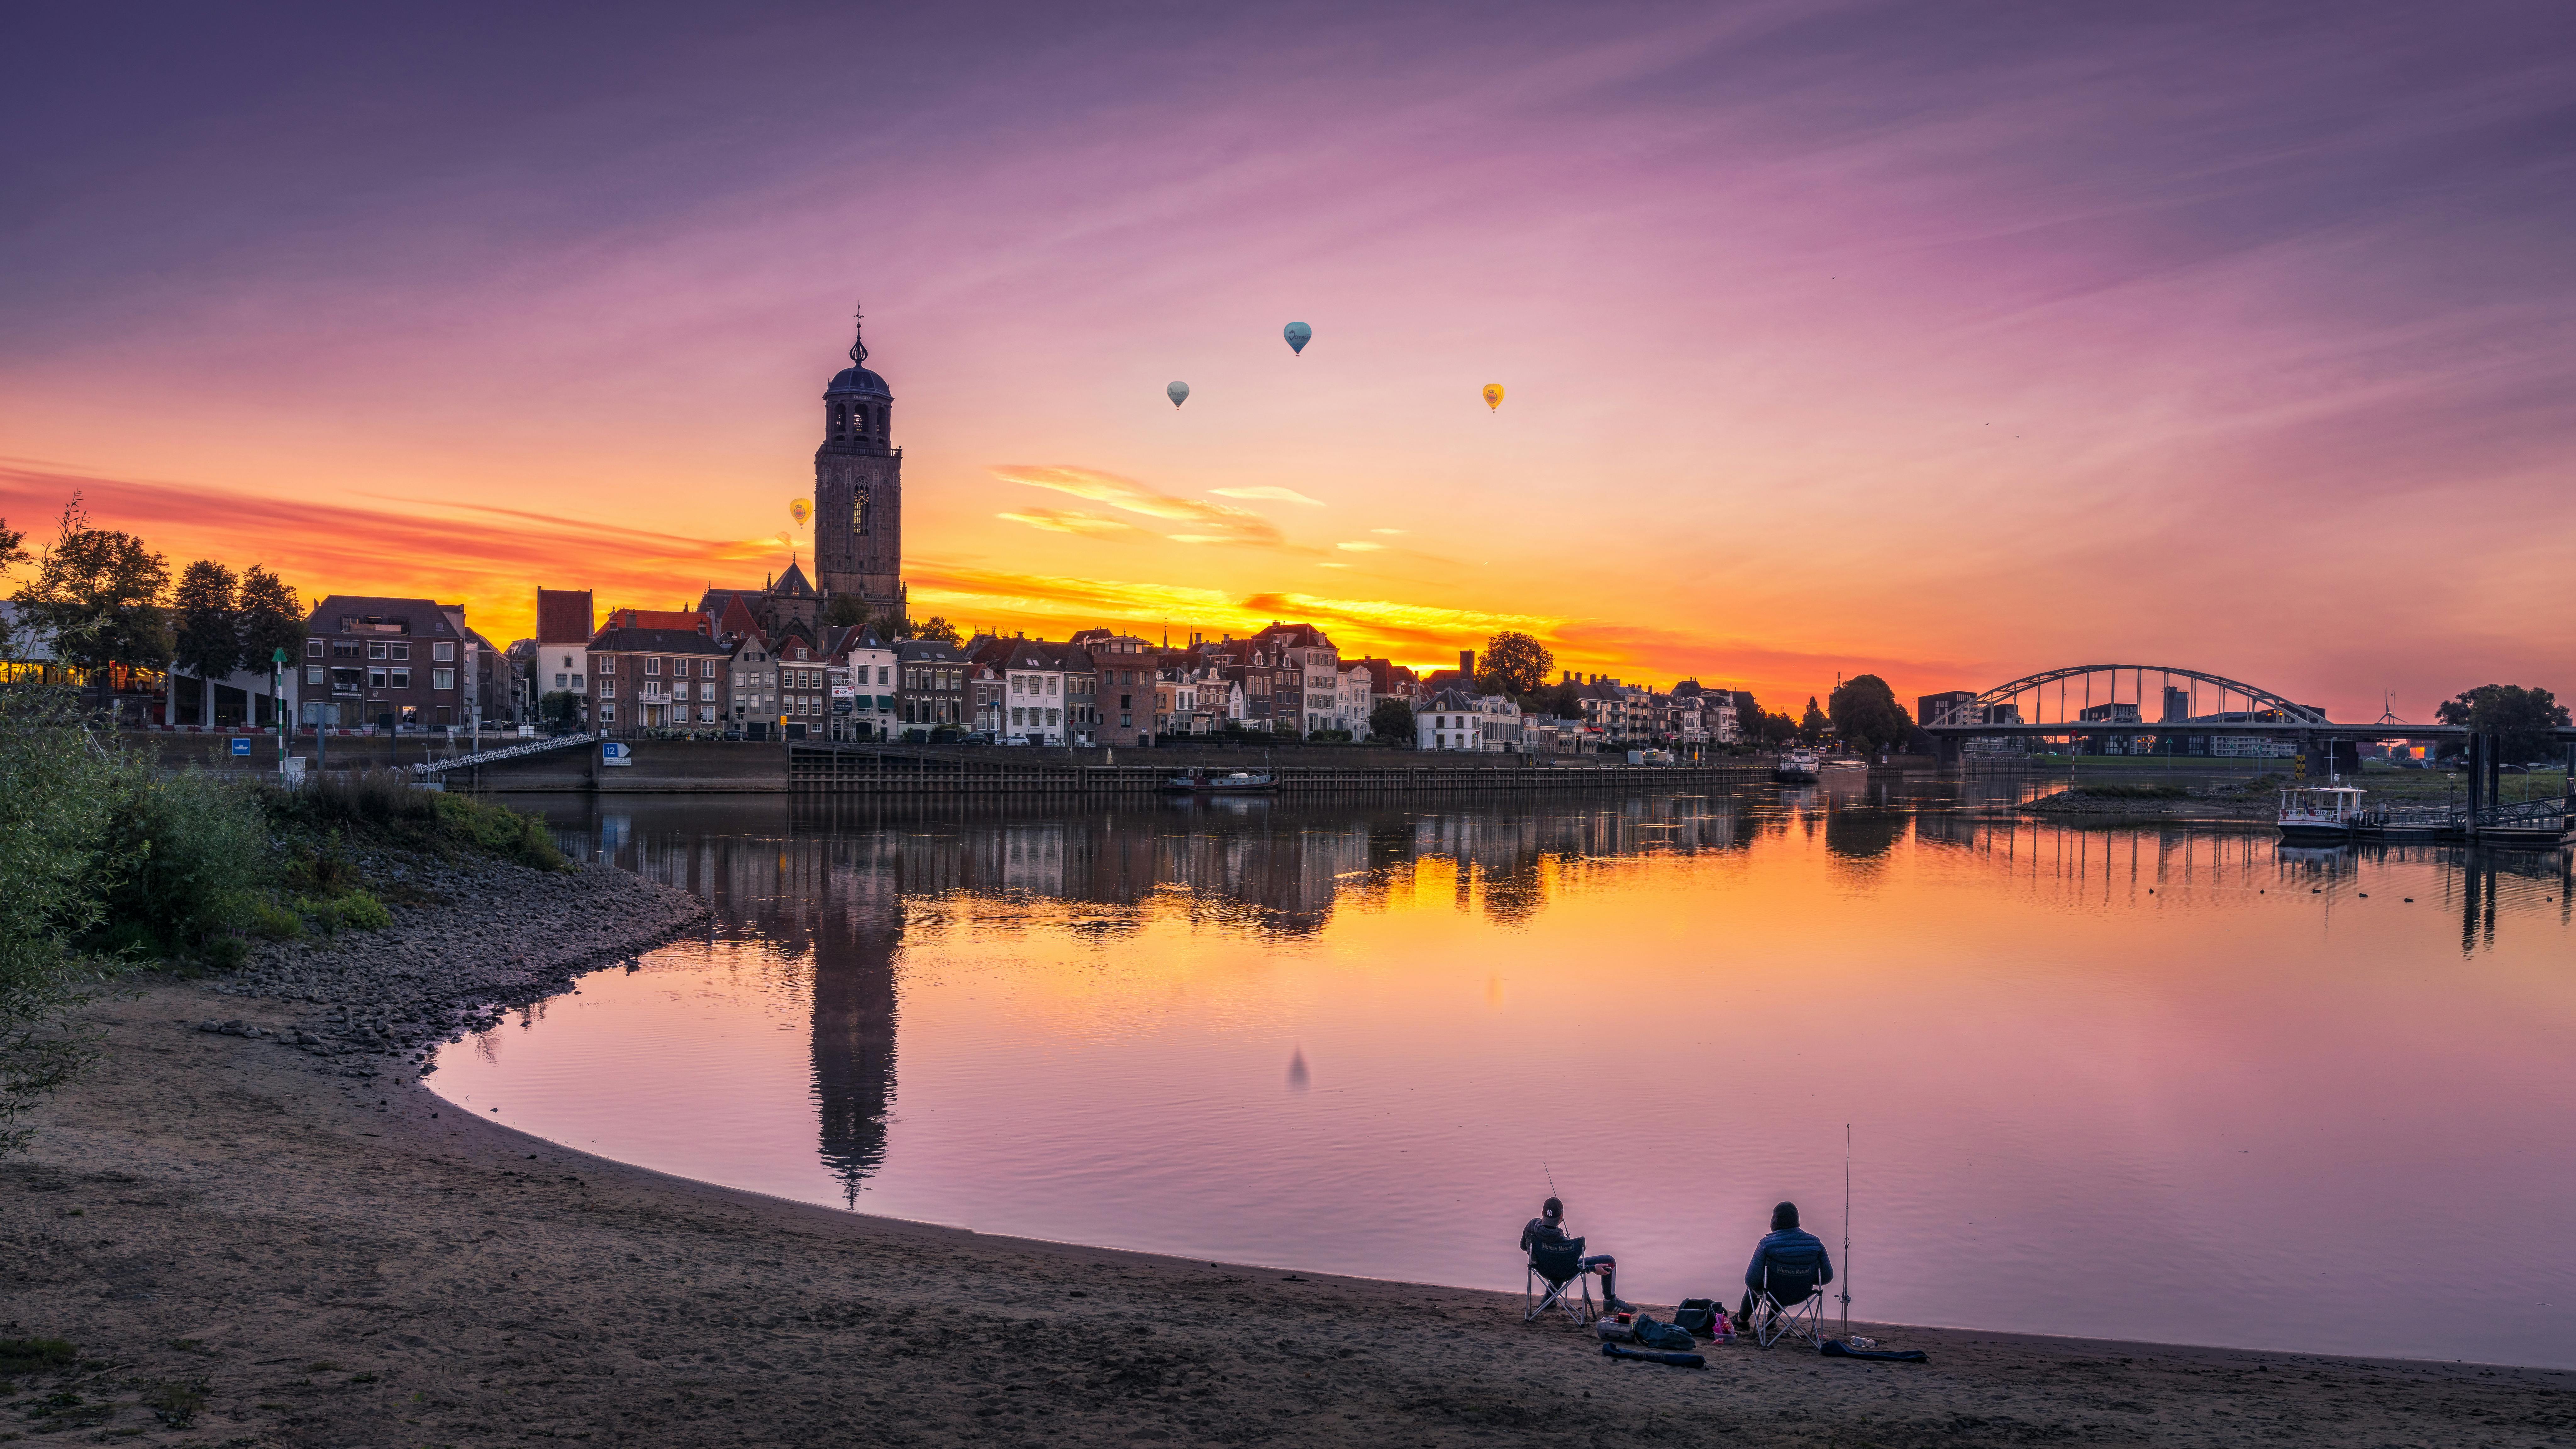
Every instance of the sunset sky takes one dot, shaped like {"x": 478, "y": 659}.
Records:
{"x": 1945, "y": 342}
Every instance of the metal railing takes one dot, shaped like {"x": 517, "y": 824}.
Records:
{"x": 511, "y": 752}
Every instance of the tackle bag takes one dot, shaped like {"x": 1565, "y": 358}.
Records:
{"x": 1698, "y": 1316}
{"x": 1651, "y": 1334}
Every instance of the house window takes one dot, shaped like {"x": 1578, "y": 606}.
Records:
{"x": 312, "y": 648}
{"x": 652, "y": 666}
{"x": 375, "y": 679}
{"x": 706, "y": 669}
{"x": 560, "y": 681}
{"x": 1050, "y": 684}
{"x": 402, "y": 651}
{"x": 443, "y": 652}
{"x": 1051, "y": 717}
{"x": 607, "y": 688}
{"x": 608, "y": 714}
{"x": 800, "y": 653}
{"x": 313, "y": 674}
{"x": 1019, "y": 716}
{"x": 442, "y": 679}
{"x": 402, "y": 679}
{"x": 375, "y": 651}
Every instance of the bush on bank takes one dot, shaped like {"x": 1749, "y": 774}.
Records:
{"x": 107, "y": 864}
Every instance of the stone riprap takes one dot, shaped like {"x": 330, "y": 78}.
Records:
{"x": 474, "y": 940}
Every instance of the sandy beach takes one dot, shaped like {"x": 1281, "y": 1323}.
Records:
{"x": 247, "y": 1248}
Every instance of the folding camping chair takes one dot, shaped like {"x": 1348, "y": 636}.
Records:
{"x": 1790, "y": 1304}
{"x": 1559, "y": 1267}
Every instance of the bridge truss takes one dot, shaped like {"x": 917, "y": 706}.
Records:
{"x": 2074, "y": 693}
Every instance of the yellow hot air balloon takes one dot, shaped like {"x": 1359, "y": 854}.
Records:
{"x": 1493, "y": 395}
{"x": 800, "y": 510}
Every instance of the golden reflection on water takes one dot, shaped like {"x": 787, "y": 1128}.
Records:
{"x": 2089, "y": 1069}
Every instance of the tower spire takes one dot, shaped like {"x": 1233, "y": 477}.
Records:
{"x": 859, "y": 336}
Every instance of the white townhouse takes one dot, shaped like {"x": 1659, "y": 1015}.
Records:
{"x": 1478, "y": 723}
{"x": 864, "y": 703}
{"x": 1033, "y": 699}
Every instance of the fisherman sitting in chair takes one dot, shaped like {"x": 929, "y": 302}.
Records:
{"x": 1786, "y": 1255}
{"x": 1549, "y": 1227}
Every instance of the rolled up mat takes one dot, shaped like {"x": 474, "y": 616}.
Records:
{"x": 1836, "y": 1348}
{"x": 1677, "y": 1360}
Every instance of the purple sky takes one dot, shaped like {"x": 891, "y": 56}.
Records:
{"x": 1950, "y": 342}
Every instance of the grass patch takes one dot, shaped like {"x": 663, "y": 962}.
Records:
{"x": 175, "y": 1402}
{"x": 36, "y": 1355}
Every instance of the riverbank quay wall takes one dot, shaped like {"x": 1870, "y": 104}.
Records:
{"x": 687, "y": 767}
{"x": 861, "y": 771}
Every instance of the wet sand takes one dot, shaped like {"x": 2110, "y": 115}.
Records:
{"x": 339, "y": 1261}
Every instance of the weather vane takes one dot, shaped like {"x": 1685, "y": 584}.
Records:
{"x": 859, "y": 343}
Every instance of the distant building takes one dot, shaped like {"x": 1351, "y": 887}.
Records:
{"x": 654, "y": 679}
{"x": 391, "y": 664}
{"x": 1477, "y": 723}
{"x": 1932, "y": 709}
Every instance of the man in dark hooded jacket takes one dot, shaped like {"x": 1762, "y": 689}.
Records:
{"x": 1786, "y": 1248}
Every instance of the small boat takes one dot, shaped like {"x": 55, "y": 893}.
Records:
{"x": 1798, "y": 767}
{"x": 1233, "y": 782}
{"x": 2319, "y": 814}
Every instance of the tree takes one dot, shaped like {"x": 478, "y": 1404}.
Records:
{"x": 560, "y": 706}
{"x": 2520, "y": 718}
{"x": 13, "y": 550}
{"x": 845, "y": 611}
{"x": 1391, "y": 719}
{"x": 1563, "y": 699}
{"x": 1774, "y": 729}
{"x": 1864, "y": 711}
{"x": 272, "y": 618}
{"x": 97, "y": 597}
{"x": 1814, "y": 727}
{"x": 207, "y": 638}
{"x": 938, "y": 630}
{"x": 1515, "y": 664}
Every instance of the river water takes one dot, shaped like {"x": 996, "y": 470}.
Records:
{"x": 2163, "y": 1083}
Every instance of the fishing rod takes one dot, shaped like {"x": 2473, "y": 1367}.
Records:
{"x": 1846, "y": 1230}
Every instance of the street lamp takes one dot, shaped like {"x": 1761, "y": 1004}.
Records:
{"x": 277, "y": 700}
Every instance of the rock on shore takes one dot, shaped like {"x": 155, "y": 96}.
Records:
{"x": 475, "y": 939}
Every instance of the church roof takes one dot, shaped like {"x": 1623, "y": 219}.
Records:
{"x": 858, "y": 382}
{"x": 792, "y": 584}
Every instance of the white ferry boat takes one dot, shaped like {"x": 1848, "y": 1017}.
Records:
{"x": 1798, "y": 767}
{"x": 2319, "y": 814}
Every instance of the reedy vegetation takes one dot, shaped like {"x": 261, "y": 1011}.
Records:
{"x": 107, "y": 864}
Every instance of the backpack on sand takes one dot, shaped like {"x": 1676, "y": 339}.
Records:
{"x": 1698, "y": 1316}
{"x": 1651, "y": 1334}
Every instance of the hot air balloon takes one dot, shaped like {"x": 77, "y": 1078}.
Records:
{"x": 1298, "y": 335}
{"x": 1178, "y": 392}
{"x": 1493, "y": 394}
{"x": 800, "y": 510}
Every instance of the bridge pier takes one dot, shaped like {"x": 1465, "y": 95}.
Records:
{"x": 1946, "y": 752}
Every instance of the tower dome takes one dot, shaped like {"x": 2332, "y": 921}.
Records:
{"x": 856, "y": 380}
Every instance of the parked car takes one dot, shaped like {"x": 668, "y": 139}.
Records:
{"x": 976, "y": 737}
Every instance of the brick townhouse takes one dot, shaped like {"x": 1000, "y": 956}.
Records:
{"x": 395, "y": 664}
{"x": 647, "y": 678}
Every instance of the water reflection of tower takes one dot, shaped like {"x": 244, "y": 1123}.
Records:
{"x": 856, "y": 934}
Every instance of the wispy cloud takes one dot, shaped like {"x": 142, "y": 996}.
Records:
{"x": 1389, "y": 530}
{"x": 1360, "y": 547}
{"x": 422, "y": 548}
{"x": 1208, "y": 522}
{"x": 1271, "y": 492}
{"x": 1075, "y": 521}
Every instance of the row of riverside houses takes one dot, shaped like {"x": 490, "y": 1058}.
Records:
{"x": 757, "y": 664}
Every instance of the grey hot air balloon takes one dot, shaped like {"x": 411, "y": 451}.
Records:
{"x": 1298, "y": 334}
{"x": 1178, "y": 392}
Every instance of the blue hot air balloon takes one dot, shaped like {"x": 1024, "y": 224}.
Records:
{"x": 1178, "y": 392}
{"x": 1298, "y": 334}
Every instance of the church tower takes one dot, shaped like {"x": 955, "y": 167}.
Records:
{"x": 858, "y": 489}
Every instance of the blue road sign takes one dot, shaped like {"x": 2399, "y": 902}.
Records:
{"x": 241, "y": 746}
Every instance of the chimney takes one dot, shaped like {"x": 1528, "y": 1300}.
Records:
{"x": 1467, "y": 662}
